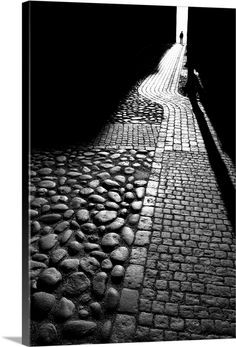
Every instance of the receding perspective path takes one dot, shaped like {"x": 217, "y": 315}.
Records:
{"x": 130, "y": 239}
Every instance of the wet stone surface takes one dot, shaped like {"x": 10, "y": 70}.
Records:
{"x": 85, "y": 204}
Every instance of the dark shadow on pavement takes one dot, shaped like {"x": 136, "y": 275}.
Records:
{"x": 211, "y": 51}
{"x": 16, "y": 339}
{"x": 218, "y": 166}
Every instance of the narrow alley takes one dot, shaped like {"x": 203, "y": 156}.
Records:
{"x": 130, "y": 236}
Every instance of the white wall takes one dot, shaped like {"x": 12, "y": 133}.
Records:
{"x": 181, "y": 22}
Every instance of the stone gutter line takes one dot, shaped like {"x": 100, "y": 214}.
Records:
{"x": 134, "y": 290}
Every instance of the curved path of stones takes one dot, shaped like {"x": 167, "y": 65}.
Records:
{"x": 179, "y": 125}
{"x": 136, "y": 108}
{"x": 129, "y": 239}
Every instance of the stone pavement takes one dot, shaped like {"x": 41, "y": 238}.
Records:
{"x": 130, "y": 239}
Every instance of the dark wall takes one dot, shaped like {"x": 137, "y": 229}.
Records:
{"x": 85, "y": 58}
{"x": 211, "y": 51}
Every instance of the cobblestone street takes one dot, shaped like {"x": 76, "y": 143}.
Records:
{"x": 130, "y": 237}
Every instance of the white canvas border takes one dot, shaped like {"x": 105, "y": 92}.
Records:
{"x": 10, "y": 165}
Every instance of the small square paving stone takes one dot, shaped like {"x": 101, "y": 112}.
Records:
{"x": 161, "y": 321}
{"x": 193, "y": 326}
{"x": 145, "y": 319}
{"x": 163, "y": 296}
{"x": 152, "y": 184}
{"x": 134, "y": 276}
{"x": 148, "y": 293}
{"x": 147, "y": 211}
{"x": 198, "y": 287}
{"x": 149, "y": 201}
{"x": 145, "y": 223}
{"x": 142, "y": 237}
{"x": 149, "y": 279}
{"x": 186, "y": 311}
{"x": 161, "y": 284}
{"x": 156, "y": 165}
{"x": 156, "y": 335}
{"x": 200, "y": 312}
{"x": 123, "y": 328}
{"x": 180, "y": 276}
{"x": 151, "y": 191}
{"x": 129, "y": 301}
{"x": 207, "y": 326}
{"x": 174, "y": 285}
{"x": 145, "y": 305}
{"x": 138, "y": 255}
{"x": 158, "y": 307}
{"x": 142, "y": 334}
{"x": 223, "y": 327}
{"x": 177, "y": 324}
{"x": 170, "y": 335}
{"x": 171, "y": 309}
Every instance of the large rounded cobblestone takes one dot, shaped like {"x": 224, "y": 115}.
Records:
{"x": 81, "y": 230}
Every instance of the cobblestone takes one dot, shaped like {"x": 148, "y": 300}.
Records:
{"x": 134, "y": 276}
{"x": 142, "y": 194}
{"x": 129, "y": 301}
{"x": 123, "y": 328}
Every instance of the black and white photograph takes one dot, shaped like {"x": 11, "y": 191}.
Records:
{"x": 128, "y": 180}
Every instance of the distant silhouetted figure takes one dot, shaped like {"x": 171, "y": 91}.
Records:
{"x": 181, "y": 37}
